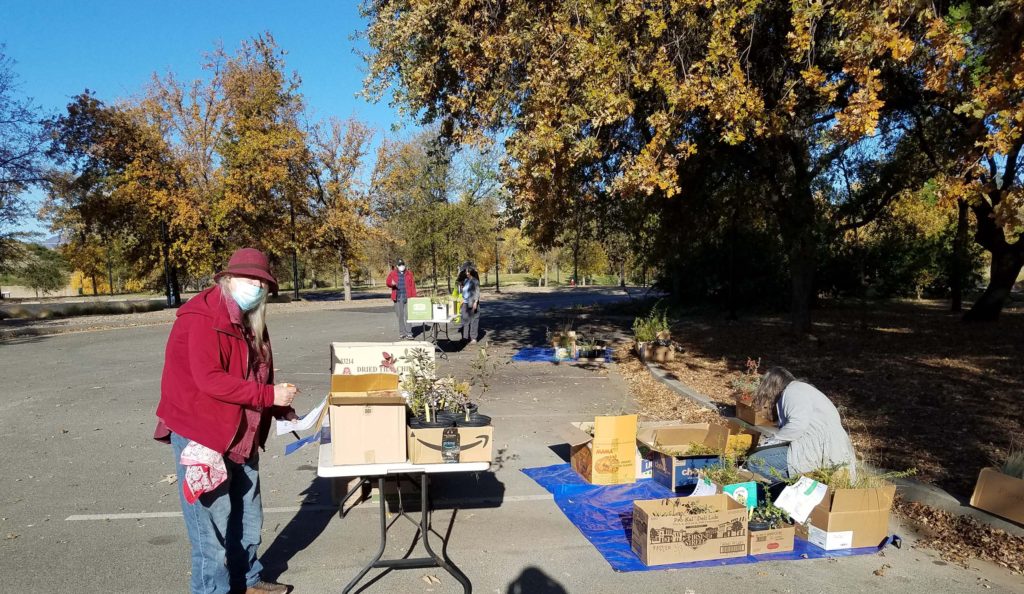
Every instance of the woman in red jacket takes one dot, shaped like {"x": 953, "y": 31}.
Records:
{"x": 217, "y": 397}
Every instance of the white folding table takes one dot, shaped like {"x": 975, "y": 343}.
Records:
{"x": 383, "y": 472}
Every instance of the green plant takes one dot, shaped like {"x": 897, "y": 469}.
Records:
{"x": 725, "y": 472}
{"x": 419, "y": 379}
{"x": 1014, "y": 464}
{"x": 647, "y": 328}
{"x": 769, "y": 514}
{"x": 746, "y": 385}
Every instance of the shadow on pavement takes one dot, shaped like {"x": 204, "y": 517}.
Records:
{"x": 534, "y": 581}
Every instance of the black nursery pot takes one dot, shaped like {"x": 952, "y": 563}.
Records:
{"x": 758, "y": 526}
{"x": 475, "y": 420}
{"x": 439, "y": 422}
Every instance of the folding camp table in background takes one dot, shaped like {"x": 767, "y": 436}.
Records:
{"x": 417, "y": 473}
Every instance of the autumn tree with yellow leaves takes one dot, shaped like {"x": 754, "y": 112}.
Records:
{"x": 634, "y": 99}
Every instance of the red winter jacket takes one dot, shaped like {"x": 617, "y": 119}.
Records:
{"x": 204, "y": 387}
{"x": 410, "y": 284}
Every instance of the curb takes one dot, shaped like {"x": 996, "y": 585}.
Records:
{"x": 909, "y": 489}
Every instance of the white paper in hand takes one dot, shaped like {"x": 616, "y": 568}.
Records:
{"x": 798, "y": 500}
{"x": 302, "y": 423}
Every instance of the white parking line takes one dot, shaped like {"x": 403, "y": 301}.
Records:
{"x": 304, "y": 508}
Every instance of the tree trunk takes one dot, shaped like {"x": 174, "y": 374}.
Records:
{"x": 1006, "y": 265}
{"x": 956, "y": 284}
{"x": 433, "y": 258}
{"x": 110, "y": 272}
{"x": 95, "y": 291}
{"x": 622, "y": 274}
{"x": 346, "y": 279}
{"x": 545, "y": 274}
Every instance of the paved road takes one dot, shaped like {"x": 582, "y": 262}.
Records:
{"x": 76, "y": 417}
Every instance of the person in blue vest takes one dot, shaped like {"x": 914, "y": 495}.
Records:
{"x": 403, "y": 288}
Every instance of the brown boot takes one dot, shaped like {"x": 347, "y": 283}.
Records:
{"x": 262, "y": 587}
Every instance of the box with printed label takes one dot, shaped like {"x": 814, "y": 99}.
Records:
{"x": 475, "y": 445}
{"x": 357, "y": 358}
{"x": 418, "y": 309}
{"x": 608, "y": 455}
{"x": 685, "y": 529}
{"x": 850, "y": 518}
{"x": 766, "y": 542}
{"x": 367, "y": 419}
{"x": 672, "y": 463}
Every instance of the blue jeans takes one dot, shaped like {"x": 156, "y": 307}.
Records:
{"x": 224, "y": 527}
{"x": 774, "y": 457}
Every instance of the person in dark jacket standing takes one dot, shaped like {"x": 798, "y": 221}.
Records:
{"x": 403, "y": 288}
{"x": 217, "y": 397}
{"x": 469, "y": 288}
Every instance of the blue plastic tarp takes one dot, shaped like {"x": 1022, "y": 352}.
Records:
{"x": 547, "y": 355}
{"x": 604, "y": 514}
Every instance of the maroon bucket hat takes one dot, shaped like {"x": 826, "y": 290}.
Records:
{"x": 249, "y": 262}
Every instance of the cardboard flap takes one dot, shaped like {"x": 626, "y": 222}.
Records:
{"x": 681, "y": 436}
{"x": 369, "y": 382}
{"x": 574, "y": 435}
{"x": 391, "y": 398}
{"x": 853, "y": 500}
{"x": 622, "y": 428}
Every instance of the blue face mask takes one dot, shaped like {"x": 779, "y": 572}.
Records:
{"x": 247, "y": 296}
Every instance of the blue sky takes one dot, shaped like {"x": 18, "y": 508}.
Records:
{"x": 114, "y": 47}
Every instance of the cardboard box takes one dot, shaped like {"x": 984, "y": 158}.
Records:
{"x": 1000, "y": 494}
{"x": 609, "y": 456}
{"x": 367, "y": 419}
{"x": 749, "y": 414}
{"x": 665, "y": 531}
{"x": 418, "y": 309}
{"x": 439, "y": 312}
{"x": 644, "y": 438}
{"x": 653, "y": 353}
{"x": 766, "y": 542}
{"x": 475, "y": 445}
{"x": 672, "y": 466}
{"x": 744, "y": 492}
{"x": 355, "y": 358}
{"x": 849, "y": 518}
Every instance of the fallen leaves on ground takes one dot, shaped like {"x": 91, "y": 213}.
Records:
{"x": 906, "y": 376}
{"x": 655, "y": 400}
{"x": 959, "y": 539}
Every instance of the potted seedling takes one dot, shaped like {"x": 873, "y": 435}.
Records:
{"x": 564, "y": 339}
{"x": 482, "y": 368}
{"x": 744, "y": 388}
{"x": 653, "y": 339}
{"x": 591, "y": 348}
{"x": 768, "y": 517}
{"x": 425, "y": 398}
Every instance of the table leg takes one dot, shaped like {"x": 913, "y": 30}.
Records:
{"x": 383, "y": 538}
{"x": 442, "y": 561}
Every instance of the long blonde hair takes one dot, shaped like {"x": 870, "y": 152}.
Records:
{"x": 255, "y": 319}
